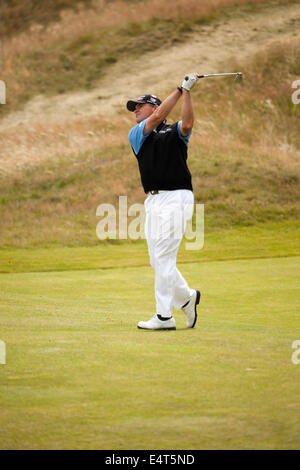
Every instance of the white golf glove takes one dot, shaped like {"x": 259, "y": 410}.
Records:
{"x": 189, "y": 82}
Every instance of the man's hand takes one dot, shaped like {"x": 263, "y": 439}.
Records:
{"x": 190, "y": 81}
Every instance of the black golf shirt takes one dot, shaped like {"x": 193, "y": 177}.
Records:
{"x": 162, "y": 158}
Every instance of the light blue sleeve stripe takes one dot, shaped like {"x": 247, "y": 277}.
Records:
{"x": 136, "y": 136}
{"x": 183, "y": 137}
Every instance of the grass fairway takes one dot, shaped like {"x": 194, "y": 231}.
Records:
{"x": 79, "y": 375}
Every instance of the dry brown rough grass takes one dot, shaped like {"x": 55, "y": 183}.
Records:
{"x": 74, "y": 122}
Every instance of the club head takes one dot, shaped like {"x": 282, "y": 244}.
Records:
{"x": 238, "y": 77}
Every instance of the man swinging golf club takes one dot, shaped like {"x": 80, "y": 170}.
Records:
{"x": 161, "y": 151}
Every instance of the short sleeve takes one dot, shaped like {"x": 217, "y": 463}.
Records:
{"x": 136, "y": 136}
{"x": 183, "y": 137}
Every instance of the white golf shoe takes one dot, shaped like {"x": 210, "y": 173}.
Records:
{"x": 156, "y": 324}
{"x": 190, "y": 309}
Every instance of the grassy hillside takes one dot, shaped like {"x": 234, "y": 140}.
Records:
{"x": 75, "y": 52}
{"x": 19, "y": 15}
{"x": 244, "y": 152}
{"x": 244, "y": 157}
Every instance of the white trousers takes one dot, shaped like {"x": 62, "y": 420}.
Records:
{"x": 165, "y": 224}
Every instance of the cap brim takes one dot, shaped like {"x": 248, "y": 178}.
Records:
{"x": 131, "y": 105}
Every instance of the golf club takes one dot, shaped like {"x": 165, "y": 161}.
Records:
{"x": 238, "y": 75}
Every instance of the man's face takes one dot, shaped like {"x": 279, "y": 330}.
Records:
{"x": 143, "y": 110}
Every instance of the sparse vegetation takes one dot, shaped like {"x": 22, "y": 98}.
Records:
{"x": 74, "y": 64}
{"x": 252, "y": 177}
{"x": 53, "y": 60}
{"x": 19, "y": 15}
{"x": 244, "y": 152}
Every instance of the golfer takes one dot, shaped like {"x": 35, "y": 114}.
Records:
{"x": 161, "y": 152}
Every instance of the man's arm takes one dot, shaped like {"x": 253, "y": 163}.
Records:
{"x": 187, "y": 113}
{"x": 161, "y": 112}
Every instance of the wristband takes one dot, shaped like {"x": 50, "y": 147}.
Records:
{"x": 179, "y": 88}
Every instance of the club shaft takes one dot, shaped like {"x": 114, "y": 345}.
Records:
{"x": 219, "y": 74}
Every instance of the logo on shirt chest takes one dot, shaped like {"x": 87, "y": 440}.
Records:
{"x": 163, "y": 131}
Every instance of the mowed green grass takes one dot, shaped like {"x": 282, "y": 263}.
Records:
{"x": 80, "y": 375}
{"x": 268, "y": 240}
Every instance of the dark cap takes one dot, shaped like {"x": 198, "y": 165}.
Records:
{"x": 151, "y": 99}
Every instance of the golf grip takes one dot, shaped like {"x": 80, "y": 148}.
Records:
{"x": 199, "y": 76}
